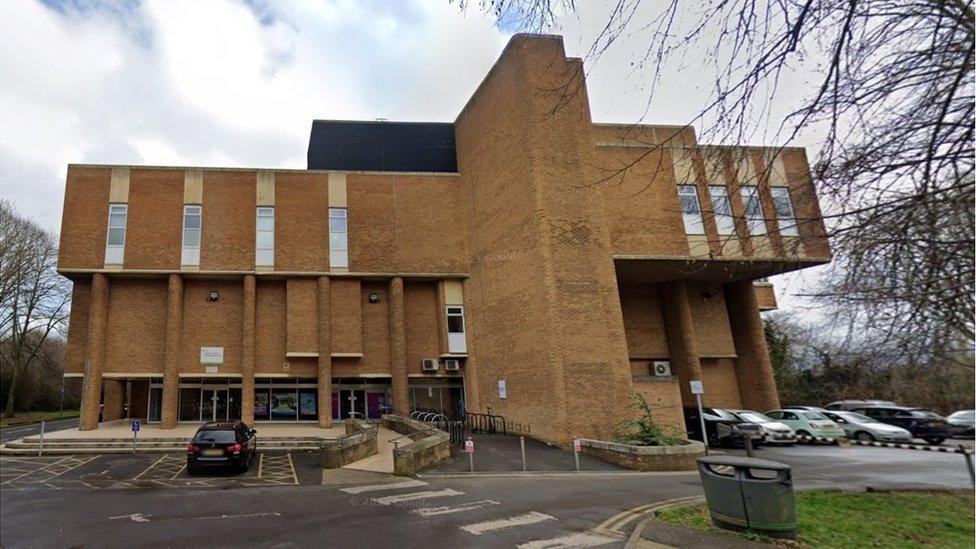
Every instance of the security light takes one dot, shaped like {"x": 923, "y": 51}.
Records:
{"x": 374, "y": 298}
{"x": 213, "y": 296}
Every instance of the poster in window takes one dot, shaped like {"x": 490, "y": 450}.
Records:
{"x": 306, "y": 403}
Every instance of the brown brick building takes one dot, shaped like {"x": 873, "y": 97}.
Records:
{"x": 523, "y": 259}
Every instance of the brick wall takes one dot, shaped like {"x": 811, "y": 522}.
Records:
{"x": 154, "y": 225}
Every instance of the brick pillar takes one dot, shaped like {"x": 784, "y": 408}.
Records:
{"x": 398, "y": 347}
{"x": 91, "y": 395}
{"x": 247, "y": 349}
{"x": 681, "y": 337}
{"x": 114, "y": 399}
{"x": 753, "y": 368}
{"x": 325, "y": 352}
{"x": 172, "y": 355}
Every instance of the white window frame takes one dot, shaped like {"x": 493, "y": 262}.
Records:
{"x": 264, "y": 255}
{"x": 722, "y": 207}
{"x": 692, "y": 219}
{"x": 339, "y": 239}
{"x": 456, "y": 341}
{"x": 785, "y": 215}
{"x": 115, "y": 253}
{"x": 753, "y": 210}
{"x": 191, "y": 252}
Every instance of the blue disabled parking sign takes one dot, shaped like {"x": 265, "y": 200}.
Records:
{"x": 135, "y": 425}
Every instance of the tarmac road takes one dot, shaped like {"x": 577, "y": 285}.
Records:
{"x": 21, "y": 431}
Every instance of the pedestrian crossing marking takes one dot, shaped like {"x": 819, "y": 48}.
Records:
{"x": 532, "y": 517}
{"x": 399, "y": 498}
{"x": 446, "y": 510}
{"x": 566, "y": 542}
{"x": 380, "y": 487}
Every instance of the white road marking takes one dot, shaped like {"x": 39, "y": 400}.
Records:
{"x": 379, "y": 487}
{"x": 446, "y": 510}
{"x": 566, "y": 542}
{"x": 140, "y": 517}
{"x": 247, "y": 515}
{"x": 389, "y": 500}
{"x": 533, "y": 517}
{"x": 134, "y": 517}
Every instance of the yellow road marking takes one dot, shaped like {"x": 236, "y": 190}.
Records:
{"x": 8, "y": 481}
{"x": 291, "y": 465}
{"x": 155, "y": 463}
{"x": 260, "y": 464}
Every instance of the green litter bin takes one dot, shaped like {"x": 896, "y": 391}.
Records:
{"x": 749, "y": 493}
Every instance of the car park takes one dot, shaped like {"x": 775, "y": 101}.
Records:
{"x": 863, "y": 428}
{"x": 228, "y": 444}
{"x": 961, "y": 423}
{"x": 849, "y": 405}
{"x": 807, "y": 408}
{"x": 808, "y": 424}
{"x": 722, "y": 427}
{"x": 774, "y": 432}
{"x": 923, "y": 424}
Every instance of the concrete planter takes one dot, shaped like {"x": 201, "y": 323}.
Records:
{"x": 424, "y": 446}
{"x": 359, "y": 442}
{"x": 645, "y": 458}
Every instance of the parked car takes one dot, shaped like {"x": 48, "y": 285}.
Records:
{"x": 850, "y": 405}
{"x": 808, "y": 424}
{"x": 807, "y": 408}
{"x": 923, "y": 424}
{"x": 861, "y": 427}
{"x": 961, "y": 423}
{"x": 230, "y": 443}
{"x": 722, "y": 427}
{"x": 774, "y": 432}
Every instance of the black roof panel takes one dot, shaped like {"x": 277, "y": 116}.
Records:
{"x": 349, "y": 145}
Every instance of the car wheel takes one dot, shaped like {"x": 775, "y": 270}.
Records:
{"x": 863, "y": 436}
{"x": 191, "y": 470}
{"x": 245, "y": 466}
{"x": 935, "y": 440}
{"x": 802, "y": 433}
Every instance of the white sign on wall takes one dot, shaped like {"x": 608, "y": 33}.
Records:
{"x": 697, "y": 388}
{"x": 502, "y": 389}
{"x": 211, "y": 355}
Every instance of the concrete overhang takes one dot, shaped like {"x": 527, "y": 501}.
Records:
{"x": 650, "y": 270}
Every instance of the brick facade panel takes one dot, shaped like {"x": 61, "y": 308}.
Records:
{"x": 212, "y": 323}
{"x": 136, "y": 335}
{"x": 301, "y": 221}
{"x": 84, "y": 220}
{"x": 227, "y": 224}
{"x": 154, "y": 227}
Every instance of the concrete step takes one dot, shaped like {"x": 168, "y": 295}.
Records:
{"x": 170, "y": 440}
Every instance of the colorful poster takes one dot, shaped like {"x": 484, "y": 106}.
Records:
{"x": 306, "y": 403}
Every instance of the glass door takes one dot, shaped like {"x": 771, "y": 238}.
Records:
{"x": 352, "y": 403}
{"x": 208, "y": 402}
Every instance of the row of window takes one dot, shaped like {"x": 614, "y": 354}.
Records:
{"x": 725, "y": 222}
{"x": 264, "y": 236}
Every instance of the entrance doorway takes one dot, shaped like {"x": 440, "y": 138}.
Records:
{"x": 213, "y": 406}
{"x": 352, "y": 403}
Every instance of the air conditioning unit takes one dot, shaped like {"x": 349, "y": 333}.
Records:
{"x": 452, "y": 365}
{"x": 428, "y": 364}
{"x": 661, "y": 368}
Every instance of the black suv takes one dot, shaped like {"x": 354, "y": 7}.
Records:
{"x": 921, "y": 423}
{"x": 723, "y": 427}
{"x": 230, "y": 443}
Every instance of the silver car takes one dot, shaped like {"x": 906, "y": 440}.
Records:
{"x": 861, "y": 427}
{"x": 774, "y": 432}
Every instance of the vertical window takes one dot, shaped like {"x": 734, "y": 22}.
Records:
{"x": 755, "y": 219}
{"x": 690, "y": 209}
{"x": 264, "y": 238}
{"x": 191, "y": 234}
{"x": 456, "y": 342}
{"x": 784, "y": 211}
{"x": 723, "y": 210}
{"x": 338, "y": 238}
{"x": 115, "y": 245}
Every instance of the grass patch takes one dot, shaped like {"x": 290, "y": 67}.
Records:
{"x": 837, "y": 519}
{"x": 26, "y": 418}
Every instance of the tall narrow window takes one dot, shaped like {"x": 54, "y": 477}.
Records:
{"x": 191, "y": 234}
{"x": 115, "y": 245}
{"x": 784, "y": 211}
{"x": 755, "y": 219}
{"x": 456, "y": 342}
{"x": 723, "y": 210}
{"x": 690, "y": 209}
{"x": 264, "y": 238}
{"x": 338, "y": 238}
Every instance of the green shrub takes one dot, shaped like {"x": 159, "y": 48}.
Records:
{"x": 644, "y": 431}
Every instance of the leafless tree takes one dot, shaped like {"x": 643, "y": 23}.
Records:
{"x": 892, "y": 94}
{"x": 34, "y": 298}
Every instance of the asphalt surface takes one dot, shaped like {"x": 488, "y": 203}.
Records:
{"x": 504, "y": 453}
{"x": 21, "y": 431}
{"x": 448, "y": 509}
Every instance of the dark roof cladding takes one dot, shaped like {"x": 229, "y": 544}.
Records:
{"x": 382, "y": 146}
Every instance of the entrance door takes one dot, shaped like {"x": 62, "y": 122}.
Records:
{"x": 213, "y": 405}
{"x": 352, "y": 403}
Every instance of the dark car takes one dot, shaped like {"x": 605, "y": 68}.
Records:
{"x": 961, "y": 423}
{"x": 228, "y": 444}
{"x": 722, "y": 427}
{"x": 921, "y": 423}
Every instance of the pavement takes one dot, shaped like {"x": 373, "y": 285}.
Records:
{"x": 494, "y": 453}
{"x": 20, "y": 431}
{"x": 349, "y": 507}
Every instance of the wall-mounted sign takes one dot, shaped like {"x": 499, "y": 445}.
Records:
{"x": 502, "y": 389}
{"x": 212, "y": 355}
{"x": 697, "y": 388}
{"x": 211, "y": 369}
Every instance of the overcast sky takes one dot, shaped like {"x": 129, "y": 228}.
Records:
{"x": 237, "y": 83}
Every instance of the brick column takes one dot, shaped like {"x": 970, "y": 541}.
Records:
{"x": 114, "y": 399}
{"x": 247, "y": 349}
{"x": 753, "y": 368}
{"x": 680, "y": 330}
{"x": 398, "y": 347}
{"x": 325, "y": 352}
{"x": 91, "y": 394}
{"x": 172, "y": 355}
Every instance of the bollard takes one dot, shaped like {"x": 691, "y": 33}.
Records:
{"x": 40, "y": 444}
{"x": 969, "y": 463}
{"x": 749, "y": 446}
{"x": 134, "y": 435}
{"x": 522, "y": 444}
{"x": 469, "y": 449}
{"x": 576, "y": 449}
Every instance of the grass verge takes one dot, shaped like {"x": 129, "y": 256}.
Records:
{"x": 866, "y": 519}
{"x": 26, "y": 418}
